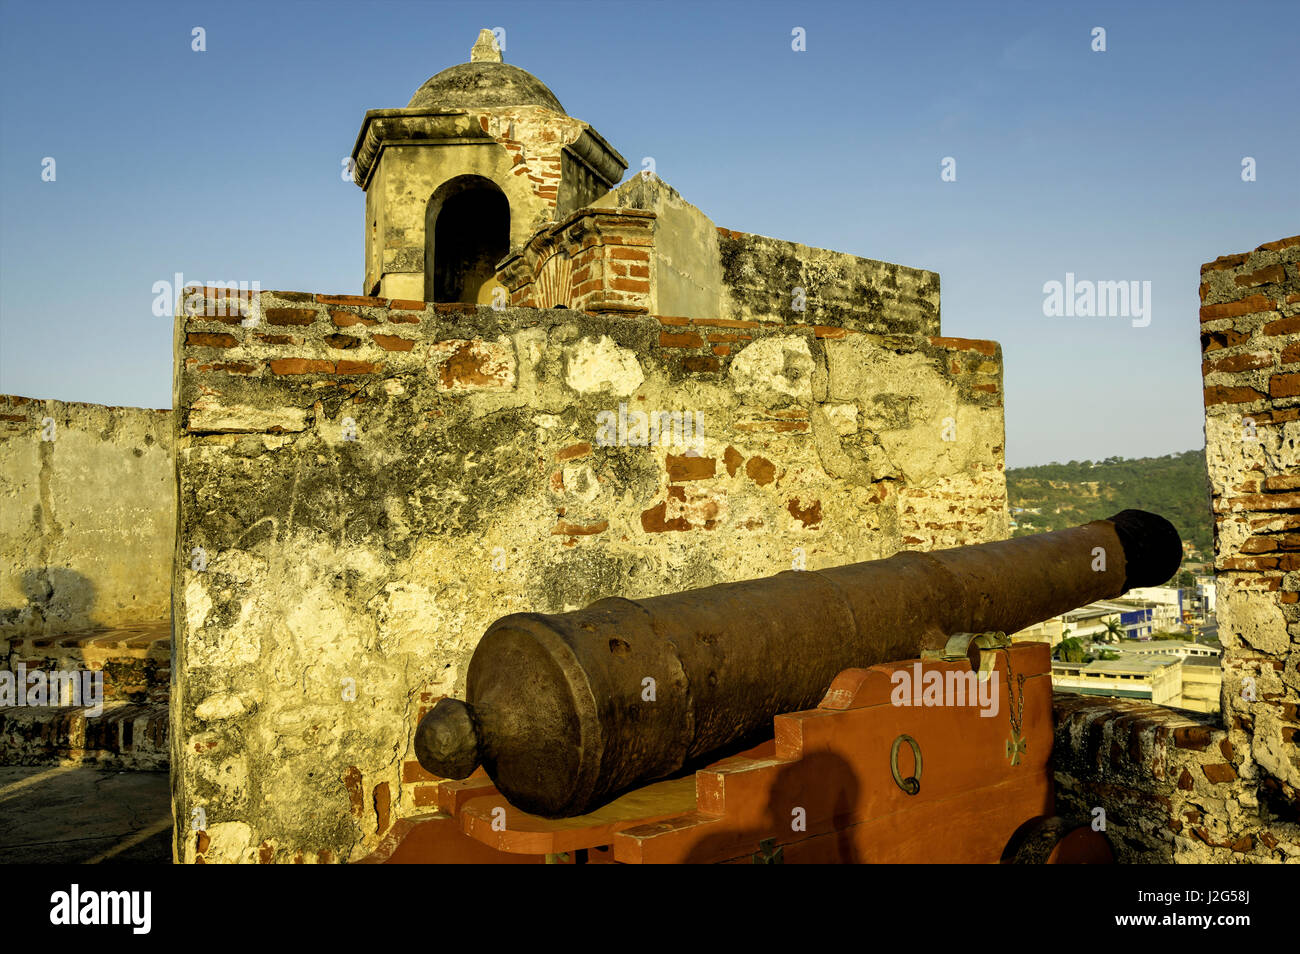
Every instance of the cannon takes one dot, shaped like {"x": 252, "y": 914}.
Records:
{"x": 566, "y": 711}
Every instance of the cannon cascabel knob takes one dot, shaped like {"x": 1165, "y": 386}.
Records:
{"x": 446, "y": 741}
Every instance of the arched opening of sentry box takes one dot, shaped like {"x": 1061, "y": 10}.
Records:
{"x": 467, "y": 232}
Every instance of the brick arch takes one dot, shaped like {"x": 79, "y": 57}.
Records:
{"x": 553, "y": 286}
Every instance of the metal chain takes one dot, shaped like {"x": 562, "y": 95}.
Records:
{"x": 1017, "y": 705}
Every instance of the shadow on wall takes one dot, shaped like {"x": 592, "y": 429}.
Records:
{"x": 832, "y": 773}
{"x": 59, "y": 600}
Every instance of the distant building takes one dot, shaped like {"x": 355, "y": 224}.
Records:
{"x": 1175, "y": 672}
{"x": 1182, "y": 648}
{"x": 1164, "y": 595}
{"x": 1202, "y": 683}
{"x": 1137, "y": 618}
{"x": 1048, "y": 631}
{"x": 1157, "y": 679}
{"x": 1180, "y": 604}
{"x": 1142, "y": 619}
{"x": 1206, "y": 592}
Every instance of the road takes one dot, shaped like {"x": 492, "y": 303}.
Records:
{"x": 79, "y": 814}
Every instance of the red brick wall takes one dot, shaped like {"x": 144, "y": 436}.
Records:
{"x": 284, "y": 348}
{"x": 540, "y": 166}
{"x": 597, "y": 261}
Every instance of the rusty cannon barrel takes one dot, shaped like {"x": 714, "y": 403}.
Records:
{"x": 565, "y": 711}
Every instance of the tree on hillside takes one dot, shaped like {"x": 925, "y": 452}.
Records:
{"x": 1174, "y": 486}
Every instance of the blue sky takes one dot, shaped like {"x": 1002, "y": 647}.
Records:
{"x": 1116, "y": 166}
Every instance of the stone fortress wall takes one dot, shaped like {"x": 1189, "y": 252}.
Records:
{"x": 87, "y": 523}
{"x": 1176, "y": 786}
{"x": 393, "y": 475}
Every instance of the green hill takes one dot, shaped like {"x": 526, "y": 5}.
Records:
{"x": 1056, "y": 496}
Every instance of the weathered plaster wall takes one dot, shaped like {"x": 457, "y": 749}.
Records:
{"x": 683, "y": 265}
{"x": 760, "y": 275}
{"x": 1201, "y": 789}
{"x": 87, "y": 517}
{"x": 344, "y": 582}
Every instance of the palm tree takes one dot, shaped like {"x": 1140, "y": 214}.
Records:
{"x": 1114, "y": 630}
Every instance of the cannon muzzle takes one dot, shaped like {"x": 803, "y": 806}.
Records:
{"x": 567, "y": 710}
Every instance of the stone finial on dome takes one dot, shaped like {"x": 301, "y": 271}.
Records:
{"x": 485, "y": 48}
